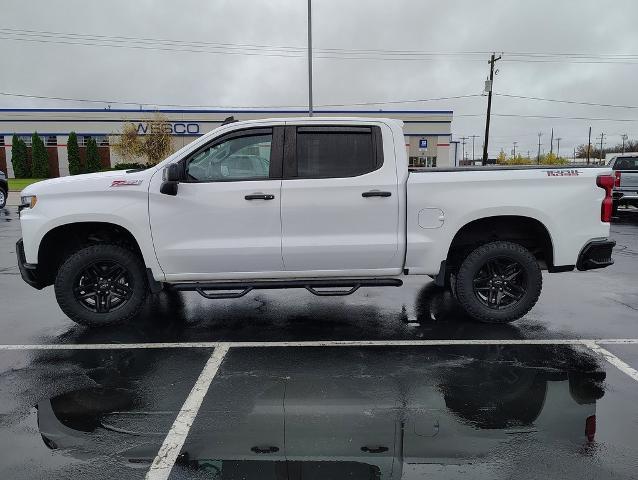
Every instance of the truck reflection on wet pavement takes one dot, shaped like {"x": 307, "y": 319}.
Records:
{"x": 336, "y": 413}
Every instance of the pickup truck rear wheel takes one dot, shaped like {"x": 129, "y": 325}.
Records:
{"x": 498, "y": 282}
{"x": 101, "y": 285}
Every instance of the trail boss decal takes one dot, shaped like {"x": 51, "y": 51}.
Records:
{"x": 563, "y": 173}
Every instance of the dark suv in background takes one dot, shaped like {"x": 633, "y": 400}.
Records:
{"x": 4, "y": 189}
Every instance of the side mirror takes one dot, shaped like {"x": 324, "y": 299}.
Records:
{"x": 171, "y": 176}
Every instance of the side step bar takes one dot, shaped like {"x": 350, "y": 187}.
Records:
{"x": 347, "y": 286}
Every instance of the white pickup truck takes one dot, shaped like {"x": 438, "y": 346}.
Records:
{"x": 326, "y": 204}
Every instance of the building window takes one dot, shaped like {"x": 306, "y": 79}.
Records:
{"x": 52, "y": 141}
{"x": 422, "y": 162}
{"x": 26, "y": 139}
{"x": 1, "y": 140}
{"x": 101, "y": 140}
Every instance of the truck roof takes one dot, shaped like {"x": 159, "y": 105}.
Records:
{"x": 323, "y": 119}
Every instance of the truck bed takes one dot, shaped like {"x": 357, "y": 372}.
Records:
{"x": 502, "y": 167}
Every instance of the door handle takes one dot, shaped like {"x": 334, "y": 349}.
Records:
{"x": 375, "y": 193}
{"x": 374, "y": 449}
{"x": 264, "y": 449}
{"x": 259, "y": 196}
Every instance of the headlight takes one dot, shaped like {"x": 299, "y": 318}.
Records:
{"x": 28, "y": 201}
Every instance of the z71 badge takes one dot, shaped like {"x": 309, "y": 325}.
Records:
{"x": 563, "y": 173}
{"x": 125, "y": 183}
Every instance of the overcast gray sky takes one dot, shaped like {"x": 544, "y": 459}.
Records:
{"x": 250, "y": 73}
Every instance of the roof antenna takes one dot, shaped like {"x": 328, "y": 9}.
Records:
{"x": 228, "y": 120}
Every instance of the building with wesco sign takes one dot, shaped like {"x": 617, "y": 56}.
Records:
{"x": 428, "y": 135}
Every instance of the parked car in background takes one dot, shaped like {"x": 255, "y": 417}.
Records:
{"x": 625, "y": 169}
{"x": 4, "y": 189}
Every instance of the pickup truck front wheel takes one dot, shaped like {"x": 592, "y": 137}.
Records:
{"x": 498, "y": 282}
{"x": 101, "y": 285}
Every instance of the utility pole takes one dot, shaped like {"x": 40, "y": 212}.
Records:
{"x": 624, "y": 139}
{"x": 492, "y": 61}
{"x": 515, "y": 149}
{"x": 558, "y": 139}
{"x": 551, "y": 144}
{"x": 310, "y": 58}
{"x": 602, "y": 137}
{"x": 463, "y": 144}
{"x": 538, "y": 157}
{"x": 574, "y": 154}
{"x": 589, "y": 146}
{"x": 473, "y": 137}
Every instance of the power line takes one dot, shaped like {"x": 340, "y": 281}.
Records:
{"x": 571, "y": 102}
{"x": 513, "y": 115}
{"x": 123, "y": 102}
{"x": 303, "y": 48}
{"x": 146, "y": 43}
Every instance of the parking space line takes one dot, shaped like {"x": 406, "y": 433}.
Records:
{"x": 319, "y": 343}
{"x": 169, "y": 451}
{"x": 613, "y": 359}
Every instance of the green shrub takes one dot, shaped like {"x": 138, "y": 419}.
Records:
{"x": 75, "y": 167}
{"x": 92, "y": 157}
{"x": 19, "y": 158}
{"x": 39, "y": 158}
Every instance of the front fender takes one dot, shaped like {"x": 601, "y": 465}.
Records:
{"x": 125, "y": 209}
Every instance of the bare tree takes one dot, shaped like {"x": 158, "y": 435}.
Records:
{"x": 154, "y": 145}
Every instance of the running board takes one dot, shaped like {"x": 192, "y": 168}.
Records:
{"x": 220, "y": 290}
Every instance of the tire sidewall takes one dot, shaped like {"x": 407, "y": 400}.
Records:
{"x": 75, "y": 263}
{"x": 476, "y": 260}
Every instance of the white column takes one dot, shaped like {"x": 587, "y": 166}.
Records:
{"x": 7, "y": 154}
{"x": 114, "y": 158}
{"x": 63, "y": 156}
{"x": 443, "y": 152}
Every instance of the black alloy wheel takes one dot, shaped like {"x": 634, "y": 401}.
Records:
{"x": 500, "y": 283}
{"x": 103, "y": 286}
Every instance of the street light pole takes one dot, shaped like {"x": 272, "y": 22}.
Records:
{"x": 558, "y": 139}
{"x": 473, "y": 137}
{"x": 310, "y": 58}
{"x": 463, "y": 143}
{"x": 624, "y": 139}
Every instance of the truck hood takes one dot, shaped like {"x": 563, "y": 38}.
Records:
{"x": 92, "y": 182}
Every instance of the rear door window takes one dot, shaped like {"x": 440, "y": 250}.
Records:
{"x": 332, "y": 152}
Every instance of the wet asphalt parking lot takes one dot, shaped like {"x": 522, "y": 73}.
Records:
{"x": 386, "y": 383}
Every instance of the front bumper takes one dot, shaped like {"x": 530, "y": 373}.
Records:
{"x": 28, "y": 271}
{"x": 596, "y": 254}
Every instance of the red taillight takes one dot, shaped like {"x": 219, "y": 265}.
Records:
{"x": 607, "y": 182}
{"x": 617, "y": 183}
{"x": 590, "y": 428}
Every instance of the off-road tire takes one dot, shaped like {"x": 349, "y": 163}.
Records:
{"x": 73, "y": 266}
{"x": 476, "y": 260}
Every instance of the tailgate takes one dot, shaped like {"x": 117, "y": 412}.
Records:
{"x": 629, "y": 179}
